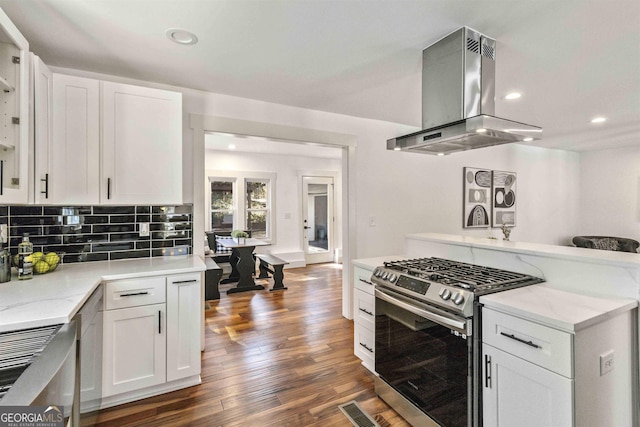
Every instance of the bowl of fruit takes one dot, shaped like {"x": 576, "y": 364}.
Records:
{"x": 43, "y": 263}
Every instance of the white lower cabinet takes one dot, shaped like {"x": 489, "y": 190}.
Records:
{"x": 519, "y": 393}
{"x": 557, "y": 359}
{"x": 364, "y": 312}
{"x": 151, "y": 336}
{"x": 183, "y": 337}
{"x": 135, "y": 348}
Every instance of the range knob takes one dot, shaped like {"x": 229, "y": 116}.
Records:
{"x": 392, "y": 277}
{"x": 378, "y": 272}
{"x": 385, "y": 275}
{"x": 457, "y": 298}
{"x": 445, "y": 294}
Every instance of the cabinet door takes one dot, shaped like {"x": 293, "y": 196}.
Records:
{"x": 134, "y": 353}
{"x": 142, "y": 145}
{"x": 14, "y": 114}
{"x": 43, "y": 123}
{"x": 519, "y": 393}
{"x": 184, "y": 305}
{"x": 75, "y": 171}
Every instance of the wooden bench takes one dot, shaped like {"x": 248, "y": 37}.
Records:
{"x": 277, "y": 265}
{"x": 212, "y": 276}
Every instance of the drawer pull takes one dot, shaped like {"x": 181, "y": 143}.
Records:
{"x": 366, "y": 311}
{"x": 370, "y": 350}
{"x": 133, "y": 294}
{"x": 513, "y": 337}
{"x": 185, "y": 281}
{"x": 365, "y": 281}
{"x": 159, "y": 322}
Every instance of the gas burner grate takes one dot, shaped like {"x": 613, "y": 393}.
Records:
{"x": 473, "y": 277}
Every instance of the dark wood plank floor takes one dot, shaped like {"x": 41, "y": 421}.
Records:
{"x": 280, "y": 358}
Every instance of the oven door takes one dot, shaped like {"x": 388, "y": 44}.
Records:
{"x": 425, "y": 356}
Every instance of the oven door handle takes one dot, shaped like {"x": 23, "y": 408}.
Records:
{"x": 442, "y": 320}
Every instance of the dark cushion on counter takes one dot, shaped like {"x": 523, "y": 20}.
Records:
{"x": 607, "y": 243}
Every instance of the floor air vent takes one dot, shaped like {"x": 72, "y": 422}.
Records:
{"x": 356, "y": 415}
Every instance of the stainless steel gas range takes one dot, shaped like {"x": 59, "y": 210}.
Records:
{"x": 427, "y": 337}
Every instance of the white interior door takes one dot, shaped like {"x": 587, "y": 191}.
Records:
{"x": 317, "y": 218}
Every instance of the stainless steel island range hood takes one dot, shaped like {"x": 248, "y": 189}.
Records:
{"x": 458, "y": 99}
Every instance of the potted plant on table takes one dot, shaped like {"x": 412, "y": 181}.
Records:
{"x": 240, "y": 236}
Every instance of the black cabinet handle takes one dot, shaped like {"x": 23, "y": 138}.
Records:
{"x": 366, "y": 281}
{"x": 134, "y": 294}
{"x": 370, "y": 350}
{"x": 487, "y": 371}
{"x": 159, "y": 322}
{"x": 185, "y": 281}
{"x": 513, "y": 337}
{"x": 46, "y": 186}
{"x": 1, "y": 176}
{"x": 366, "y": 311}
{"x": 108, "y": 188}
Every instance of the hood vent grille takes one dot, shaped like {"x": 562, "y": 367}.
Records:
{"x": 458, "y": 99}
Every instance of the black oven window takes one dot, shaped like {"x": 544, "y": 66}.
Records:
{"x": 427, "y": 363}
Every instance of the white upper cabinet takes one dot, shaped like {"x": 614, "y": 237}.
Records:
{"x": 75, "y": 153}
{"x": 14, "y": 113}
{"x": 114, "y": 143}
{"x": 141, "y": 145}
{"x": 42, "y": 102}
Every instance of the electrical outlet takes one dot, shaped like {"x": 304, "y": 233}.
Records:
{"x": 143, "y": 229}
{"x": 606, "y": 363}
{"x": 372, "y": 221}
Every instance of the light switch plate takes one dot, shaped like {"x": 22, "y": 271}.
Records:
{"x": 143, "y": 229}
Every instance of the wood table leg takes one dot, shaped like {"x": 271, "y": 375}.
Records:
{"x": 246, "y": 269}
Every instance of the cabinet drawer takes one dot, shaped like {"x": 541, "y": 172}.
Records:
{"x": 363, "y": 344}
{"x": 362, "y": 280}
{"x": 365, "y": 308}
{"x": 544, "y": 346}
{"x": 134, "y": 292}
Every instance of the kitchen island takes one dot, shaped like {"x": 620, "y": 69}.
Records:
{"x": 591, "y": 272}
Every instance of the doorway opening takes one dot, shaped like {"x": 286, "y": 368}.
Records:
{"x": 318, "y": 219}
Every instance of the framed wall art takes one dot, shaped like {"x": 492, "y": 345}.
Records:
{"x": 476, "y": 197}
{"x": 503, "y": 198}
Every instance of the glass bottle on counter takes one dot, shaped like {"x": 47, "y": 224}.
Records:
{"x": 25, "y": 266}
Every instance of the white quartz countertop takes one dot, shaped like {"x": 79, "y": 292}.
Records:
{"x": 624, "y": 259}
{"x": 556, "y": 308}
{"x": 372, "y": 263}
{"x": 56, "y": 297}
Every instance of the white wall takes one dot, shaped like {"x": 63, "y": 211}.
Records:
{"x": 288, "y": 188}
{"x": 421, "y": 193}
{"x": 610, "y": 193}
{"x": 409, "y": 193}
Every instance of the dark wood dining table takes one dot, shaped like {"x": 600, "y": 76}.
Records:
{"x": 243, "y": 269}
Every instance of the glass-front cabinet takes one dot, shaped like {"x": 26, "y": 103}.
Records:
{"x": 14, "y": 114}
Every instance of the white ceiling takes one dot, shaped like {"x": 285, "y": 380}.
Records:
{"x": 571, "y": 59}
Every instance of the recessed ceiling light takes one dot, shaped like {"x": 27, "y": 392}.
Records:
{"x": 179, "y": 36}
{"x": 440, "y": 154}
{"x": 397, "y": 148}
{"x": 598, "y": 120}
{"x": 513, "y": 95}
{"x": 481, "y": 130}
{"x": 232, "y": 147}
{"x": 528, "y": 139}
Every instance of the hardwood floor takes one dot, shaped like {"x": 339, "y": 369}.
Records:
{"x": 280, "y": 358}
